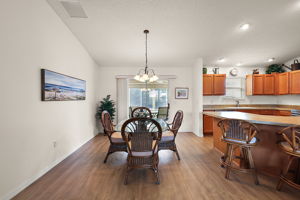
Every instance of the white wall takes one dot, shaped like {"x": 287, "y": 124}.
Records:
{"x": 107, "y": 85}
{"x": 33, "y": 37}
{"x": 197, "y": 98}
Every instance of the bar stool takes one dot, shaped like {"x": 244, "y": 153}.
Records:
{"x": 291, "y": 146}
{"x": 239, "y": 134}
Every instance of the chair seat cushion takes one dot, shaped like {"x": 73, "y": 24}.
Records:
{"x": 116, "y": 137}
{"x": 167, "y": 136}
{"x": 287, "y": 147}
{"x": 236, "y": 141}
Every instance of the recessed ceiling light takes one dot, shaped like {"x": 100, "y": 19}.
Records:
{"x": 239, "y": 64}
{"x": 245, "y": 27}
{"x": 271, "y": 59}
{"x": 221, "y": 60}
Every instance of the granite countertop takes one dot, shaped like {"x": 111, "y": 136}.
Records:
{"x": 251, "y": 107}
{"x": 257, "y": 119}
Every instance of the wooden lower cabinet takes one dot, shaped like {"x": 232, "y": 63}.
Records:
{"x": 207, "y": 124}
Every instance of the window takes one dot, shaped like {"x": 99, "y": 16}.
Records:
{"x": 152, "y": 95}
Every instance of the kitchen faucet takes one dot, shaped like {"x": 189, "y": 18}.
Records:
{"x": 237, "y": 103}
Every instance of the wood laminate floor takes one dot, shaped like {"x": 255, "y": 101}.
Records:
{"x": 83, "y": 175}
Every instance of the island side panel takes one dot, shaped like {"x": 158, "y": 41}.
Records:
{"x": 267, "y": 155}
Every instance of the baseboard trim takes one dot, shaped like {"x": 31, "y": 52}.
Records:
{"x": 28, "y": 182}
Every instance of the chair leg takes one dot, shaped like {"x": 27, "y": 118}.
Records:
{"x": 108, "y": 153}
{"x": 284, "y": 173}
{"x": 176, "y": 151}
{"x": 157, "y": 175}
{"x": 245, "y": 162}
{"x": 225, "y": 156}
{"x": 126, "y": 175}
{"x": 252, "y": 166}
{"x": 229, "y": 163}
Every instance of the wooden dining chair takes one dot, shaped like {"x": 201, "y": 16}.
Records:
{"x": 168, "y": 137}
{"x": 141, "y": 112}
{"x": 142, "y": 136}
{"x": 239, "y": 134}
{"x": 115, "y": 138}
{"x": 163, "y": 112}
{"x": 291, "y": 146}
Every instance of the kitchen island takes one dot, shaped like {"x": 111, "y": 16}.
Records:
{"x": 268, "y": 157}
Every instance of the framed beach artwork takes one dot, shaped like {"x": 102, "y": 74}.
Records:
{"x": 181, "y": 93}
{"x": 60, "y": 87}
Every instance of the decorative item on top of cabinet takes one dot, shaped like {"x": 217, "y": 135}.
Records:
{"x": 214, "y": 84}
{"x": 295, "y": 82}
{"x": 255, "y": 71}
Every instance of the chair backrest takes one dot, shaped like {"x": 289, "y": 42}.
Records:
{"x": 141, "y": 134}
{"x": 238, "y": 129}
{"x": 107, "y": 123}
{"x": 141, "y": 112}
{"x": 163, "y": 112}
{"x": 177, "y": 121}
{"x": 292, "y": 136}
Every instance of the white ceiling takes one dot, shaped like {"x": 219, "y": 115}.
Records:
{"x": 183, "y": 30}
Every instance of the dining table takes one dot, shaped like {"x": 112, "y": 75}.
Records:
{"x": 163, "y": 123}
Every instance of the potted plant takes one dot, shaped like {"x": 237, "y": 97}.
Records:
{"x": 108, "y": 105}
{"x": 275, "y": 68}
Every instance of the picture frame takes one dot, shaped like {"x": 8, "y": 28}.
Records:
{"x": 181, "y": 93}
{"x": 59, "y": 87}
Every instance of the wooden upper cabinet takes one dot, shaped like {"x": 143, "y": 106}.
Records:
{"x": 295, "y": 82}
{"x": 214, "y": 84}
{"x": 269, "y": 84}
{"x": 258, "y": 84}
{"x": 208, "y": 80}
{"x": 249, "y": 85}
{"x": 282, "y": 83}
{"x": 219, "y": 84}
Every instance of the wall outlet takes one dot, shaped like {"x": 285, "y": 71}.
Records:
{"x": 54, "y": 144}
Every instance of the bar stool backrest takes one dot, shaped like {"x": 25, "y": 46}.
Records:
{"x": 238, "y": 130}
{"x": 292, "y": 136}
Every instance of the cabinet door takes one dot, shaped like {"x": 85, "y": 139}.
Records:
{"x": 208, "y": 84}
{"x": 267, "y": 112}
{"x": 295, "y": 82}
{"x": 249, "y": 85}
{"x": 269, "y": 84}
{"x": 258, "y": 84}
{"x": 219, "y": 84}
{"x": 282, "y": 83}
{"x": 284, "y": 113}
{"x": 207, "y": 124}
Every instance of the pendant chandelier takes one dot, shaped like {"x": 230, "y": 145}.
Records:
{"x": 146, "y": 75}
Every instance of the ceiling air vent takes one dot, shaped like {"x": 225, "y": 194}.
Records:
{"x": 73, "y": 8}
